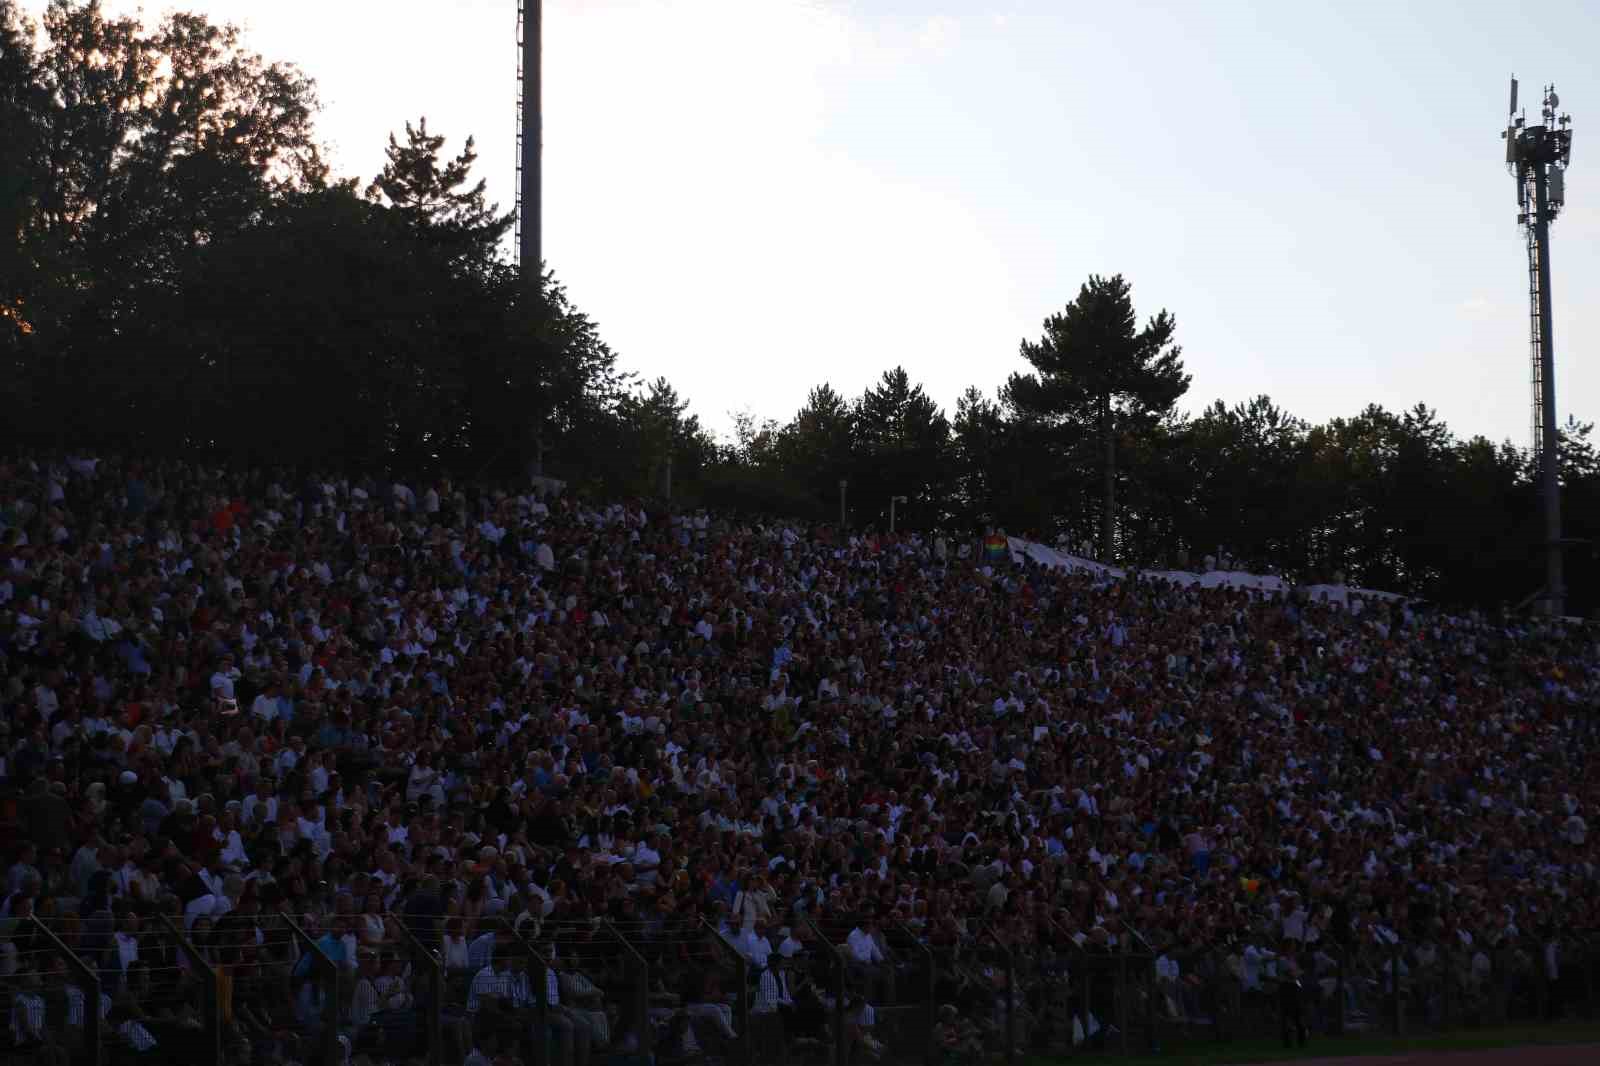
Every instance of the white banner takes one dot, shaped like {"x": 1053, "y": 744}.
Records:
{"x": 1266, "y": 584}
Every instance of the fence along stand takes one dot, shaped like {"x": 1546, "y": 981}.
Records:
{"x": 1011, "y": 991}
{"x": 1069, "y": 960}
{"x": 1122, "y": 993}
{"x": 741, "y": 967}
{"x": 1541, "y": 984}
{"x": 930, "y": 1052}
{"x": 211, "y": 989}
{"x": 1087, "y": 968}
{"x": 1590, "y": 959}
{"x": 91, "y": 991}
{"x": 1447, "y": 993}
{"x": 839, "y": 1051}
{"x": 1338, "y": 992}
{"x": 434, "y": 965}
{"x": 539, "y": 974}
{"x": 1398, "y": 997}
{"x": 1502, "y": 984}
{"x": 331, "y": 1055}
{"x": 641, "y": 996}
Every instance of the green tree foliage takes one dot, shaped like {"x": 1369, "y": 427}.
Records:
{"x": 190, "y": 278}
{"x": 433, "y": 199}
{"x": 902, "y": 449}
{"x": 1095, "y": 371}
{"x": 661, "y": 443}
{"x": 24, "y": 178}
{"x": 179, "y": 273}
{"x": 819, "y": 447}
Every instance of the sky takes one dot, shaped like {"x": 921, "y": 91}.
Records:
{"x": 752, "y": 197}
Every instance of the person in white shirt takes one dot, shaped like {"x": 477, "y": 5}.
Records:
{"x": 753, "y": 944}
{"x": 456, "y": 958}
{"x": 646, "y": 861}
{"x": 868, "y": 960}
{"x": 788, "y": 946}
{"x": 265, "y": 705}
{"x": 222, "y": 681}
{"x": 46, "y": 700}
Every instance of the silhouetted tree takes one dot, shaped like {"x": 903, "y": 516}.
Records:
{"x": 433, "y": 197}
{"x": 1094, "y": 367}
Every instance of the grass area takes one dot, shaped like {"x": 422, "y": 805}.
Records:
{"x": 1241, "y": 1052}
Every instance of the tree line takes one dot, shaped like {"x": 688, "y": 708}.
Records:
{"x": 183, "y": 274}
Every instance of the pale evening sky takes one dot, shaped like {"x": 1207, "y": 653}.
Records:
{"x": 754, "y": 196}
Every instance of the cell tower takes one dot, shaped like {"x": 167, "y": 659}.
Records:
{"x": 530, "y": 127}
{"x": 1537, "y": 156}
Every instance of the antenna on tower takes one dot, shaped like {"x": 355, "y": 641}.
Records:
{"x": 1537, "y": 157}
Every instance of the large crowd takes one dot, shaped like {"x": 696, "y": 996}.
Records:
{"x": 498, "y": 716}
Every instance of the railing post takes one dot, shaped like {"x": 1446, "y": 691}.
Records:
{"x": 1541, "y": 982}
{"x": 1148, "y": 984}
{"x": 1338, "y": 990}
{"x": 91, "y": 991}
{"x": 930, "y": 1049}
{"x": 1447, "y": 992}
{"x": 1070, "y": 951}
{"x": 1398, "y": 1007}
{"x": 1502, "y": 984}
{"x": 1590, "y": 957}
{"x": 1011, "y": 1006}
{"x": 741, "y": 967}
{"x": 211, "y": 985}
{"x": 1088, "y": 998}
{"x": 641, "y": 990}
{"x": 430, "y": 959}
{"x": 839, "y": 1052}
{"x": 539, "y": 975}
{"x": 1122, "y": 994}
{"x": 1011, "y": 992}
{"x": 330, "y": 992}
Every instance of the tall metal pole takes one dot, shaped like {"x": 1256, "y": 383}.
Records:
{"x": 1549, "y": 459}
{"x": 1538, "y": 156}
{"x": 530, "y": 249}
{"x": 1108, "y": 516}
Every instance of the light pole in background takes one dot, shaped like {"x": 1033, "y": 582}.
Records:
{"x": 843, "y": 484}
{"x": 530, "y": 140}
{"x": 892, "y": 501}
{"x": 1538, "y": 157}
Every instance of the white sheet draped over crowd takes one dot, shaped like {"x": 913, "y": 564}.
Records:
{"x": 1343, "y": 595}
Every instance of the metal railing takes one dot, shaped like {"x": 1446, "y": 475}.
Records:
{"x": 998, "y": 992}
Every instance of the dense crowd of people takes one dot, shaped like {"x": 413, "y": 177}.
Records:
{"x": 482, "y": 718}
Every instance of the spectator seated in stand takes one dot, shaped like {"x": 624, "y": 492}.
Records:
{"x": 231, "y": 693}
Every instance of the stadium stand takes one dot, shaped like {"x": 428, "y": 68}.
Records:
{"x": 321, "y": 769}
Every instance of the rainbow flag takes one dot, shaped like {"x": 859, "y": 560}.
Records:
{"x": 995, "y": 548}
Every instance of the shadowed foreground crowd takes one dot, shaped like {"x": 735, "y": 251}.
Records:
{"x": 498, "y": 718}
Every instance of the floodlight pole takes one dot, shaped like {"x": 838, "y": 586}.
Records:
{"x": 1538, "y": 157}
{"x": 530, "y": 131}
{"x": 1549, "y": 454}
